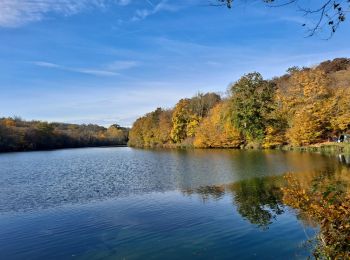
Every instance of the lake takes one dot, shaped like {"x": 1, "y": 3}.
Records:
{"x": 124, "y": 203}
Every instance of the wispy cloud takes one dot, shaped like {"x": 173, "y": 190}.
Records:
{"x": 123, "y": 2}
{"x": 111, "y": 69}
{"x": 46, "y": 64}
{"x": 15, "y": 13}
{"x": 122, "y": 65}
{"x": 150, "y": 3}
{"x": 163, "y": 5}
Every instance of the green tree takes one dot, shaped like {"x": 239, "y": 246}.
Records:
{"x": 251, "y": 102}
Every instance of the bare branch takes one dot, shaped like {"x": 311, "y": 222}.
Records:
{"x": 331, "y": 13}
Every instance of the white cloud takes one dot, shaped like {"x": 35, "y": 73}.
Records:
{"x": 46, "y": 64}
{"x": 150, "y": 2}
{"x": 122, "y": 65}
{"x": 15, "y": 13}
{"x": 123, "y": 2}
{"x": 95, "y": 72}
{"x": 163, "y": 5}
{"x": 111, "y": 69}
{"x": 213, "y": 63}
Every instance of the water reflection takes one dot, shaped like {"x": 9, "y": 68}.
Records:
{"x": 344, "y": 158}
{"x": 319, "y": 198}
{"x": 258, "y": 200}
{"x": 31, "y": 181}
{"x": 325, "y": 201}
{"x": 129, "y": 203}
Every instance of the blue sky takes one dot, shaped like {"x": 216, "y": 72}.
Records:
{"x": 111, "y": 61}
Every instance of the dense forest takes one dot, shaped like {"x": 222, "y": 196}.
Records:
{"x": 303, "y": 107}
{"x": 19, "y": 135}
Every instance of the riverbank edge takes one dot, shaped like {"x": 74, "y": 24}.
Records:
{"x": 63, "y": 148}
{"x": 324, "y": 148}
{"x": 328, "y": 148}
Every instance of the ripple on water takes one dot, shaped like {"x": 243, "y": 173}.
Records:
{"x": 127, "y": 203}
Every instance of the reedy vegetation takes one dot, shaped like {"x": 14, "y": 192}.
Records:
{"x": 303, "y": 107}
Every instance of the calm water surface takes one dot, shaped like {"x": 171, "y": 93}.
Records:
{"x": 123, "y": 203}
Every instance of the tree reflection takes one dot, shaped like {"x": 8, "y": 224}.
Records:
{"x": 326, "y": 200}
{"x": 259, "y": 200}
{"x": 320, "y": 199}
{"x": 344, "y": 158}
{"x": 215, "y": 192}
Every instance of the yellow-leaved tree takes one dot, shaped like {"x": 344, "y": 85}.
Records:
{"x": 151, "y": 130}
{"x": 216, "y": 130}
{"x": 188, "y": 114}
{"x": 340, "y": 119}
{"x": 180, "y": 119}
{"x": 306, "y": 104}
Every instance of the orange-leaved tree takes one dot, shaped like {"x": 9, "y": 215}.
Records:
{"x": 216, "y": 130}
{"x": 306, "y": 104}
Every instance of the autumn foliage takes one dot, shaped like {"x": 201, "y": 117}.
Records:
{"x": 217, "y": 131}
{"x": 20, "y": 135}
{"x": 303, "y": 107}
{"x": 327, "y": 202}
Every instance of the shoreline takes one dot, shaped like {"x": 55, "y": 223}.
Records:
{"x": 63, "y": 148}
{"x": 326, "y": 147}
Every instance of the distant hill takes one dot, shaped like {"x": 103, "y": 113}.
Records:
{"x": 20, "y": 135}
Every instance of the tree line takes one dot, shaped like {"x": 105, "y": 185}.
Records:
{"x": 303, "y": 107}
{"x": 20, "y": 135}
